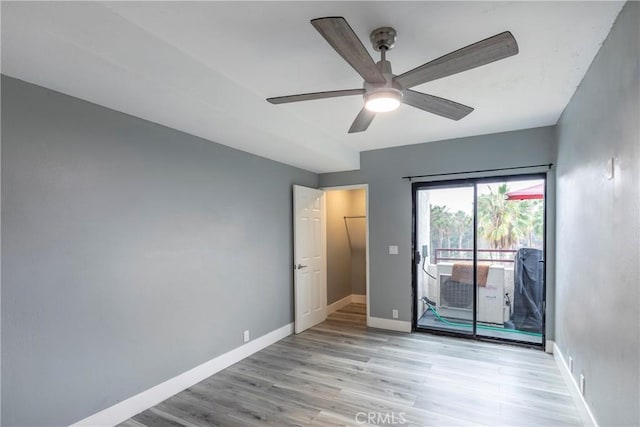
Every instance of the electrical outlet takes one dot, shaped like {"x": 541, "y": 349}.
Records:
{"x": 246, "y": 336}
{"x": 582, "y": 384}
{"x": 394, "y": 313}
{"x": 570, "y": 364}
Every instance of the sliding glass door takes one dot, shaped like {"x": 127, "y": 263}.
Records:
{"x": 510, "y": 253}
{"x": 444, "y": 253}
{"x": 479, "y": 258}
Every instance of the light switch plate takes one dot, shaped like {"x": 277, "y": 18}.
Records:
{"x": 393, "y": 250}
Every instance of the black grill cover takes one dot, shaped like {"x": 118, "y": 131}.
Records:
{"x": 528, "y": 281}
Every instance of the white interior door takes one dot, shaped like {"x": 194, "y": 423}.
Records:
{"x": 309, "y": 257}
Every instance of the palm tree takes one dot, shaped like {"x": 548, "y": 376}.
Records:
{"x": 461, "y": 224}
{"x": 440, "y": 222}
{"x": 530, "y": 221}
{"x": 524, "y": 220}
{"x": 537, "y": 222}
{"x": 498, "y": 219}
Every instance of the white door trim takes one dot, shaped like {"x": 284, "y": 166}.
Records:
{"x": 368, "y": 252}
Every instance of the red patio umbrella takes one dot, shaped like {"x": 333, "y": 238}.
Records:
{"x": 533, "y": 192}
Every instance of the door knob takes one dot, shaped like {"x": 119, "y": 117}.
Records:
{"x": 300, "y": 266}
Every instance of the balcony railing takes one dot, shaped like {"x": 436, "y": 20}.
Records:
{"x": 449, "y": 254}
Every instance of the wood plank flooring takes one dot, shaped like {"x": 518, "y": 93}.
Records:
{"x": 340, "y": 373}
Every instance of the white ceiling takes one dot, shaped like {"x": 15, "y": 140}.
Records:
{"x": 206, "y": 67}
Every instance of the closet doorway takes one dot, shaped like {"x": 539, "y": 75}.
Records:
{"x": 347, "y": 231}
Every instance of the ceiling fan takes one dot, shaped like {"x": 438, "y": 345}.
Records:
{"x": 384, "y": 91}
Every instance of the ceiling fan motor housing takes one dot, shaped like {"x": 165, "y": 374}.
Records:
{"x": 389, "y": 89}
{"x": 385, "y": 68}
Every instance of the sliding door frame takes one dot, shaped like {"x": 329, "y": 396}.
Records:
{"x": 474, "y": 182}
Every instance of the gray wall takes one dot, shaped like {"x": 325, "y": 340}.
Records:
{"x": 130, "y": 253}
{"x": 598, "y": 321}
{"x": 346, "y": 254}
{"x": 390, "y": 199}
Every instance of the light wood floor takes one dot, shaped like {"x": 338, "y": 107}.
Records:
{"x": 341, "y": 373}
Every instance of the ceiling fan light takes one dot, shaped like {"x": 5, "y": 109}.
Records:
{"x": 383, "y": 101}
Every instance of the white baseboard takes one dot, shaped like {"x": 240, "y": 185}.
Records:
{"x": 585, "y": 412}
{"x": 358, "y": 299}
{"x": 548, "y": 346}
{"x": 341, "y": 303}
{"x": 134, "y": 405}
{"x": 389, "y": 324}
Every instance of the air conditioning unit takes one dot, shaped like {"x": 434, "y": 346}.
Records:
{"x": 455, "y": 299}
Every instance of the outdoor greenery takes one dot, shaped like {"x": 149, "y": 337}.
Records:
{"x": 502, "y": 224}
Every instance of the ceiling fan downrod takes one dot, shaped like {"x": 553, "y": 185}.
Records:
{"x": 384, "y": 39}
{"x": 386, "y": 96}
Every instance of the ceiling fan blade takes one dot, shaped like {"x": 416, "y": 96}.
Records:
{"x": 435, "y": 105}
{"x": 344, "y": 40}
{"x": 315, "y": 95}
{"x": 362, "y": 121}
{"x": 481, "y": 53}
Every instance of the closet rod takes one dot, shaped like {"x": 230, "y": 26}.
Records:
{"x": 358, "y": 216}
{"x": 410, "y": 177}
